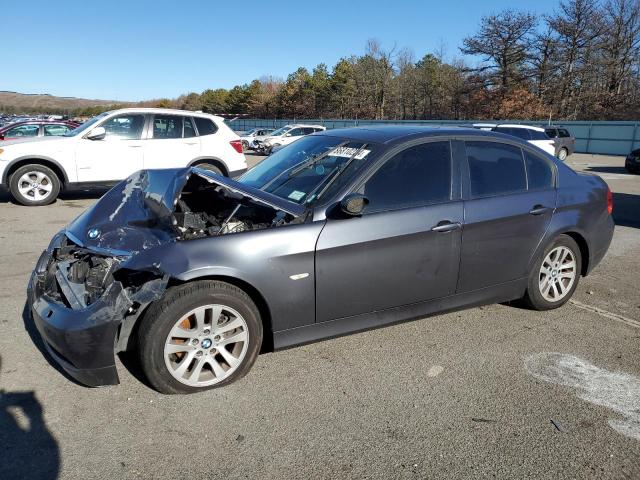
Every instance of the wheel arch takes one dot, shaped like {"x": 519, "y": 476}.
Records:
{"x": 584, "y": 250}
{"x": 35, "y": 160}
{"x": 212, "y": 161}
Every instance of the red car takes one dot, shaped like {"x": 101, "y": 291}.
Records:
{"x": 36, "y": 128}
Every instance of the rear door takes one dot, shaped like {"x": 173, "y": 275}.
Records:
{"x": 510, "y": 198}
{"x": 171, "y": 143}
{"x": 391, "y": 255}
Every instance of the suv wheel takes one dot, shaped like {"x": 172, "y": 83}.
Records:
{"x": 563, "y": 154}
{"x": 212, "y": 168}
{"x": 34, "y": 185}
{"x": 555, "y": 276}
{"x": 200, "y": 335}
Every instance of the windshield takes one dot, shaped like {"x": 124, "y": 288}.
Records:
{"x": 309, "y": 168}
{"x": 86, "y": 125}
{"x": 279, "y": 131}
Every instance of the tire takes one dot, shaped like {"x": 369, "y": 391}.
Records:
{"x": 541, "y": 295}
{"x": 245, "y": 145}
{"x": 563, "y": 154}
{"x": 43, "y": 189}
{"x": 166, "y": 320}
{"x": 212, "y": 168}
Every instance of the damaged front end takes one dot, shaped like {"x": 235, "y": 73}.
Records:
{"x": 84, "y": 306}
{"x": 84, "y": 295}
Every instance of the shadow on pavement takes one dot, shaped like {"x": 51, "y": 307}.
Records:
{"x": 90, "y": 193}
{"x": 626, "y": 210}
{"x": 27, "y": 447}
{"x": 607, "y": 170}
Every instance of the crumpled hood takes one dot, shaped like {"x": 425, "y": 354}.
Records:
{"x": 137, "y": 214}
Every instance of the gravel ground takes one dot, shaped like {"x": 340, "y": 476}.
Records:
{"x": 476, "y": 393}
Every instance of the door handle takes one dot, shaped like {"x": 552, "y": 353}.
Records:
{"x": 446, "y": 226}
{"x": 538, "y": 210}
{"x": 135, "y": 146}
{"x": 191, "y": 143}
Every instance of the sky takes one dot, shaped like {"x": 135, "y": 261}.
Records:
{"x": 132, "y": 50}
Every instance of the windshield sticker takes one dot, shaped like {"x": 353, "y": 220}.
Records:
{"x": 348, "y": 152}
{"x": 296, "y": 195}
{"x": 320, "y": 169}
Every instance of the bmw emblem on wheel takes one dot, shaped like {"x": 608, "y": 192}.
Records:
{"x": 93, "y": 233}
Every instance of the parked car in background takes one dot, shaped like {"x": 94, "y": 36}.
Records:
{"x": 110, "y": 147}
{"x": 534, "y": 135}
{"x": 254, "y": 137}
{"x": 286, "y": 135}
{"x": 632, "y": 162}
{"x": 337, "y": 233}
{"x": 565, "y": 142}
{"x": 36, "y": 128}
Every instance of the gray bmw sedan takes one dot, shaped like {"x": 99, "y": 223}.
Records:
{"x": 339, "y": 232}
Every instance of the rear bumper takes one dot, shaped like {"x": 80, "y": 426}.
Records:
{"x": 81, "y": 341}
{"x": 601, "y": 243}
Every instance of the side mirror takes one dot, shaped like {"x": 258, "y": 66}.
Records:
{"x": 353, "y": 204}
{"x": 97, "y": 133}
{"x": 287, "y": 134}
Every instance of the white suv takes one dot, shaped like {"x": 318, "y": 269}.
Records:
{"x": 534, "y": 135}
{"x": 110, "y": 147}
{"x": 286, "y": 135}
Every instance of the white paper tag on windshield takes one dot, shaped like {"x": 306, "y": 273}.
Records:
{"x": 348, "y": 152}
{"x": 296, "y": 195}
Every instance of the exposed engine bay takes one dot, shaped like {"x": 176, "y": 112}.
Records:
{"x": 206, "y": 209}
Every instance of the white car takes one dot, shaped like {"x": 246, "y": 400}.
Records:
{"x": 110, "y": 147}
{"x": 286, "y": 135}
{"x": 254, "y": 136}
{"x": 534, "y": 135}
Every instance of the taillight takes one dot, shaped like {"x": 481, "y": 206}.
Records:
{"x": 609, "y": 201}
{"x": 1, "y": 137}
{"x": 237, "y": 145}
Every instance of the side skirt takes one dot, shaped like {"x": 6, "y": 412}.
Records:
{"x": 367, "y": 321}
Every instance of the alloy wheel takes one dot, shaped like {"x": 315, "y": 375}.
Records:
{"x": 557, "y": 274}
{"x": 206, "y": 345}
{"x": 35, "y": 185}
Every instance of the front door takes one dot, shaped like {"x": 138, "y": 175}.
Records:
{"x": 391, "y": 256}
{"x": 512, "y": 199}
{"x": 116, "y": 156}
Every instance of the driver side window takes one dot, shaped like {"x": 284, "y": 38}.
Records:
{"x": 124, "y": 127}
{"x": 419, "y": 175}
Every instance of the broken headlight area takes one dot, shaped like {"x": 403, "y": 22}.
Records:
{"x": 77, "y": 278}
{"x": 204, "y": 209}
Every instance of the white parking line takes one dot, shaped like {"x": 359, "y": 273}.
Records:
{"x": 612, "y": 316}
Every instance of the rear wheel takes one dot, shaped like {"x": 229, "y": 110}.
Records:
{"x": 245, "y": 145}
{"x": 199, "y": 336}
{"x": 563, "y": 154}
{"x": 213, "y": 168}
{"x": 554, "y": 278}
{"x": 34, "y": 185}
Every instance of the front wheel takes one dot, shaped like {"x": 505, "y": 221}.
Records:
{"x": 200, "y": 335}
{"x": 34, "y": 185}
{"x": 555, "y": 276}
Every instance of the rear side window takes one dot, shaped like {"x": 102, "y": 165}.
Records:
{"x": 516, "y": 132}
{"x": 539, "y": 172}
{"x": 167, "y": 126}
{"x": 563, "y": 133}
{"x": 551, "y": 132}
{"x": 55, "y": 129}
{"x": 495, "y": 169}
{"x": 538, "y": 135}
{"x": 205, "y": 126}
{"x": 419, "y": 175}
{"x": 189, "y": 130}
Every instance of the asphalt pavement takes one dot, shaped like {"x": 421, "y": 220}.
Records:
{"x": 495, "y": 391}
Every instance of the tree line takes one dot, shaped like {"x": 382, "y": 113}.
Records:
{"x": 580, "y": 61}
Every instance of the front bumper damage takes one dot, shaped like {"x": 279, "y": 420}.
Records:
{"x": 82, "y": 330}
